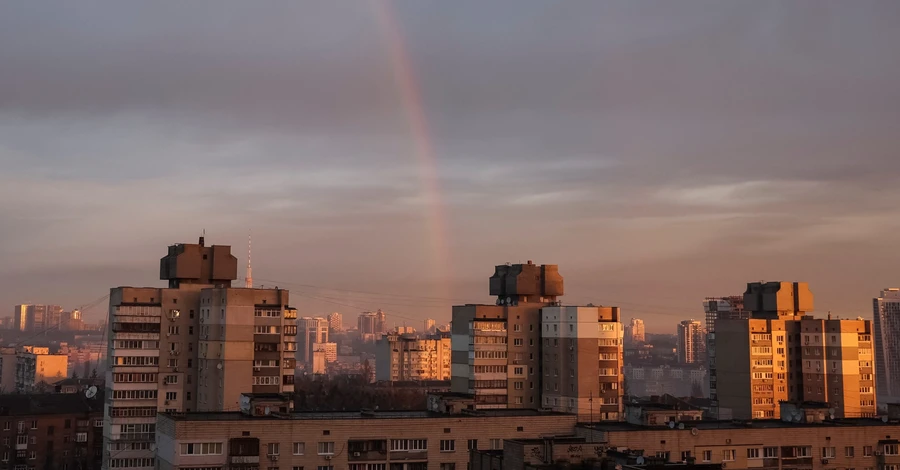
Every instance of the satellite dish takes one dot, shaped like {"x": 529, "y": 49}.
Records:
{"x": 219, "y": 366}
{"x": 175, "y": 314}
{"x": 694, "y": 431}
{"x": 268, "y": 411}
{"x": 831, "y": 411}
{"x": 680, "y": 425}
{"x": 884, "y": 419}
{"x": 671, "y": 424}
{"x": 639, "y": 460}
{"x": 509, "y": 301}
{"x": 91, "y": 392}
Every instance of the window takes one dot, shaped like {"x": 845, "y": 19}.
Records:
{"x": 448, "y": 466}
{"x": 273, "y": 448}
{"x": 751, "y": 454}
{"x": 32, "y": 455}
{"x": 892, "y": 449}
{"x": 728, "y": 455}
{"x": 448, "y": 445}
{"x": 867, "y": 451}
{"x": 848, "y": 451}
{"x": 324, "y": 467}
{"x": 518, "y": 342}
{"x": 81, "y": 437}
{"x": 770, "y": 452}
{"x": 496, "y": 444}
{"x": 171, "y": 396}
{"x": 202, "y": 448}
{"x": 404, "y": 445}
{"x": 828, "y": 452}
{"x": 326, "y": 448}
{"x": 34, "y": 425}
{"x": 299, "y": 448}
{"x": 472, "y": 444}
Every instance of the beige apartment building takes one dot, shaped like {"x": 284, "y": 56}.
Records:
{"x": 410, "y": 357}
{"x": 266, "y": 434}
{"x": 312, "y": 331}
{"x": 582, "y": 361}
{"x": 691, "y": 343}
{"x": 783, "y": 354}
{"x": 169, "y": 347}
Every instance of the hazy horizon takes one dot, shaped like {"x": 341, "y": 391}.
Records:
{"x": 658, "y": 152}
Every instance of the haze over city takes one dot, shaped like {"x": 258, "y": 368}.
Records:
{"x": 657, "y": 155}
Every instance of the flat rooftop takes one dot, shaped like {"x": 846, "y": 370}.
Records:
{"x": 754, "y": 424}
{"x": 338, "y": 415}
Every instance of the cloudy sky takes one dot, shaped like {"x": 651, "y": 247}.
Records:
{"x": 389, "y": 154}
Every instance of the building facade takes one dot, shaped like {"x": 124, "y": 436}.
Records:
{"x": 790, "y": 356}
{"x": 582, "y": 362}
{"x": 416, "y": 440}
{"x": 312, "y": 331}
{"x": 634, "y": 332}
{"x": 886, "y": 325}
{"x": 169, "y": 347}
{"x": 335, "y": 322}
{"x": 36, "y": 368}
{"x": 691, "y": 344}
{"x": 52, "y": 431}
{"x": 411, "y": 358}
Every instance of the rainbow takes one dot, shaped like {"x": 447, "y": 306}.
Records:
{"x": 423, "y": 147}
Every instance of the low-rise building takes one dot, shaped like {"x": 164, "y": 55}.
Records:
{"x": 36, "y": 368}
{"x": 265, "y": 434}
{"x": 51, "y": 431}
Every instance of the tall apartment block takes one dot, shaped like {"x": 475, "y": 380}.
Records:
{"x": 335, "y": 322}
{"x": 725, "y": 308}
{"x": 371, "y": 325}
{"x": 582, "y": 361}
{"x": 169, "y": 347}
{"x": 886, "y": 322}
{"x": 28, "y": 317}
{"x": 312, "y": 331}
{"x": 409, "y": 357}
{"x": 497, "y": 349}
{"x": 691, "y": 344}
{"x": 634, "y": 331}
{"x": 783, "y": 354}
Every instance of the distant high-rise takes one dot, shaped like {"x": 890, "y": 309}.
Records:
{"x": 429, "y": 326}
{"x": 886, "y": 315}
{"x": 691, "y": 345}
{"x": 20, "y": 317}
{"x": 634, "y": 331}
{"x": 335, "y": 322}
{"x": 311, "y": 331}
{"x": 372, "y": 325}
{"x": 782, "y": 354}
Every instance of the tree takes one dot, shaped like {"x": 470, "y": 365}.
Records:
{"x": 75, "y": 375}
{"x": 94, "y": 373}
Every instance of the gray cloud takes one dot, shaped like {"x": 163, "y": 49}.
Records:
{"x": 634, "y": 143}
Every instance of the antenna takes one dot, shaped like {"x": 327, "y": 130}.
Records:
{"x": 248, "y": 282}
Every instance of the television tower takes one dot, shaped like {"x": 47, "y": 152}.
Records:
{"x": 248, "y": 282}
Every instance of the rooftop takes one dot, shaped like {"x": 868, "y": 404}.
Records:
{"x": 753, "y": 424}
{"x": 340, "y": 415}
{"x": 50, "y": 403}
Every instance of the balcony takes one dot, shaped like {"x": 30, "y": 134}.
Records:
{"x": 370, "y": 450}
{"x": 138, "y": 310}
{"x": 243, "y": 459}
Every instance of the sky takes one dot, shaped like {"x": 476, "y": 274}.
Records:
{"x": 389, "y": 154}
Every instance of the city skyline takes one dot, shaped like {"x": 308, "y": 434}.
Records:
{"x": 375, "y": 144}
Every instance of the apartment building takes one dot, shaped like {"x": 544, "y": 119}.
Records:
{"x": 811, "y": 444}
{"x": 529, "y": 351}
{"x": 886, "y": 323}
{"x": 51, "y": 431}
{"x": 335, "y": 322}
{"x": 36, "y": 368}
{"x": 312, "y": 331}
{"x": 497, "y": 346}
{"x": 783, "y": 354}
{"x": 30, "y": 317}
{"x": 691, "y": 343}
{"x": 265, "y": 434}
{"x": 582, "y": 362}
{"x": 169, "y": 347}
{"x": 635, "y": 332}
{"x": 410, "y": 357}
{"x": 726, "y": 308}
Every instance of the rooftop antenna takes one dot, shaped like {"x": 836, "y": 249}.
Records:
{"x": 248, "y": 282}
